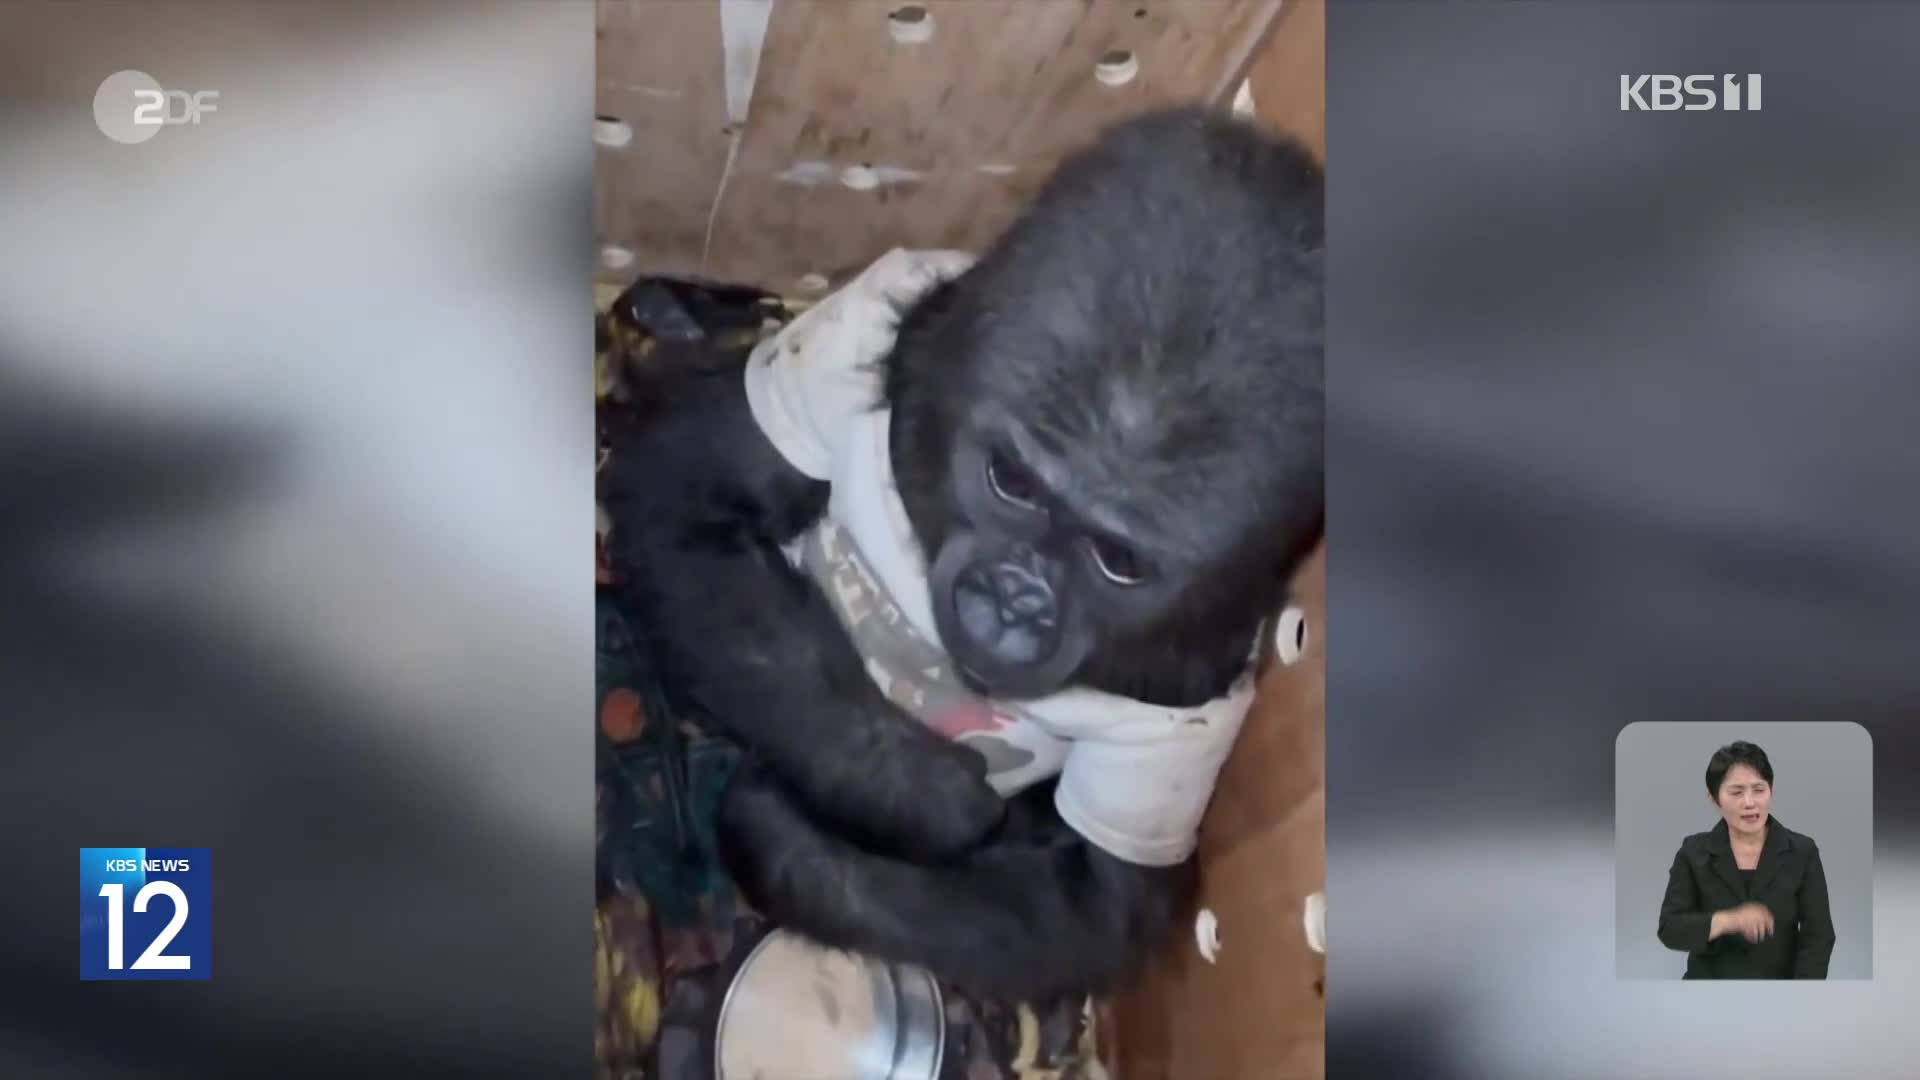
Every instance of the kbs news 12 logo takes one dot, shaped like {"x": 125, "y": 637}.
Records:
{"x": 1694, "y": 93}
{"x": 146, "y": 913}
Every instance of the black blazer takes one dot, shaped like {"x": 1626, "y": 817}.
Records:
{"x": 1789, "y": 881}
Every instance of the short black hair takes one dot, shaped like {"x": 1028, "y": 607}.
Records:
{"x": 1736, "y": 753}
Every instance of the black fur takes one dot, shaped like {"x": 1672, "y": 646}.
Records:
{"x": 1148, "y": 334}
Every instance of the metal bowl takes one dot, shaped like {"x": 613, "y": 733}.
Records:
{"x": 800, "y": 1011}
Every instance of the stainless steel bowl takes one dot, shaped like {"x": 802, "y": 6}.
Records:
{"x": 799, "y": 1011}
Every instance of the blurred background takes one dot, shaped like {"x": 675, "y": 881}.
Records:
{"x": 1622, "y": 429}
{"x": 295, "y": 496}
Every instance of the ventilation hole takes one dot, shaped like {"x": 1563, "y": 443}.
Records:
{"x": 610, "y": 131}
{"x": 1117, "y": 67}
{"x": 1315, "y": 920}
{"x": 812, "y": 283}
{"x": 1290, "y": 636}
{"x": 1206, "y": 935}
{"x": 910, "y": 25}
{"x": 1140, "y": 13}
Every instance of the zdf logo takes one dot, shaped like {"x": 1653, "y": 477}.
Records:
{"x": 1694, "y": 93}
{"x": 132, "y": 107}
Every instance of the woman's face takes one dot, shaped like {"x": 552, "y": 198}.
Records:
{"x": 1743, "y": 800}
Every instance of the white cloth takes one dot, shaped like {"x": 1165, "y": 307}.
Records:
{"x": 1134, "y": 778}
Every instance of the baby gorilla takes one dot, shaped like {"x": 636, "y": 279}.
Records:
{"x": 974, "y": 557}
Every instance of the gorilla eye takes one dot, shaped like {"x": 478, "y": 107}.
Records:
{"x": 1011, "y": 482}
{"x": 1116, "y": 562}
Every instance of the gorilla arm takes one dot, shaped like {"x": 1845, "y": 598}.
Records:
{"x": 1035, "y": 911}
{"x": 700, "y": 500}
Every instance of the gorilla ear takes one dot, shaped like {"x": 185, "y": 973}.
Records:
{"x": 1283, "y": 574}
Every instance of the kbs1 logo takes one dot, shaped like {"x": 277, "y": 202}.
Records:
{"x": 1694, "y": 93}
{"x": 146, "y": 913}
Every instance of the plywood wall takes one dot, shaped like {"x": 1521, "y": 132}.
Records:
{"x": 1259, "y": 1008}
{"x": 746, "y": 116}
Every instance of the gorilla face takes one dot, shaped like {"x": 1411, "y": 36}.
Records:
{"x": 1019, "y": 587}
{"x": 1107, "y": 434}
{"x": 1064, "y": 549}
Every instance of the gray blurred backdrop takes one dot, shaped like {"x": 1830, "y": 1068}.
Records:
{"x": 1823, "y": 788}
{"x": 1622, "y": 426}
{"x": 296, "y": 485}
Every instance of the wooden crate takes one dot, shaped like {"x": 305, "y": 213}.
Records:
{"x": 745, "y": 117}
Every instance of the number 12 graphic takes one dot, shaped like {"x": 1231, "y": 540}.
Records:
{"x": 154, "y": 905}
{"x": 155, "y": 956}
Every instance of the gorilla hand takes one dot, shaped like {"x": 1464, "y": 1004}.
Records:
{"x": 1035, "y": 912}
{"x": 700, "y": 500}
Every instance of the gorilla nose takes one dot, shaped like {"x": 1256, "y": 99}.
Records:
{"x": 1006, "y": 607}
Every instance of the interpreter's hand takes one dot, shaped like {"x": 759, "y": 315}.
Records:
{"x": 1750, "y": 920}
